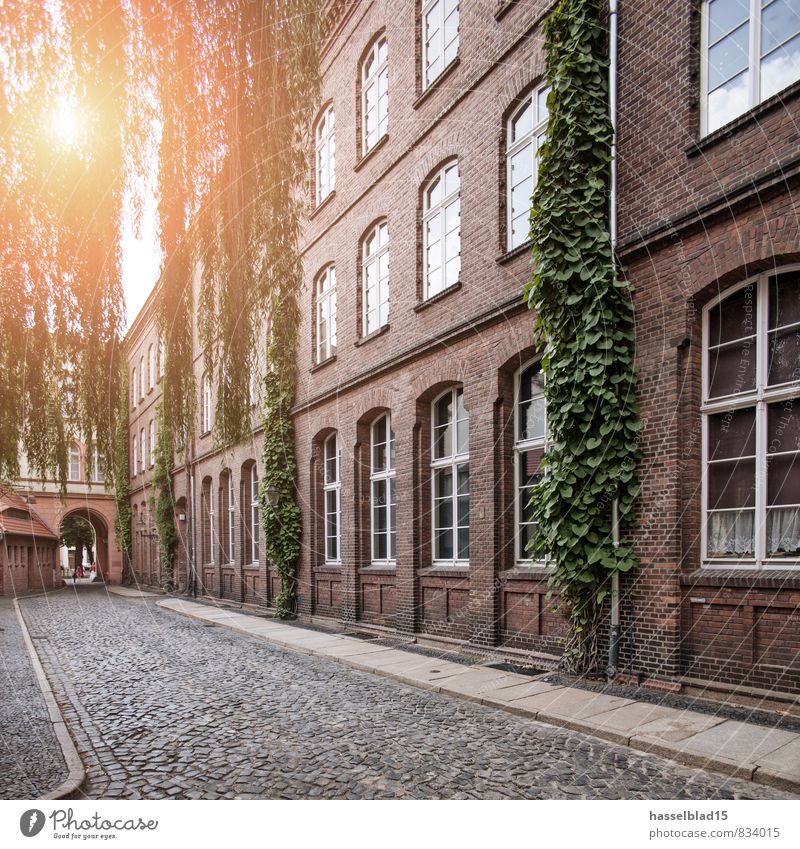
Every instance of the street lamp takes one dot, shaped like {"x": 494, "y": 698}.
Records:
{"x": 272, "y": 495}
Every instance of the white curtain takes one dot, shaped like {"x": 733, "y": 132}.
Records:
{"x": 731, "y": 532}
{"x": 783, "y": 530}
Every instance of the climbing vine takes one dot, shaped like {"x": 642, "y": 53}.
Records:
{"x": 121, "y": 480}
{"x": 584, "y": 316}
{"x": 162, "y": 500}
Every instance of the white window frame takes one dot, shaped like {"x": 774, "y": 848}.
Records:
{"x": 96, "y": 465}
{"x": 141, "y": 378}
{"x": 380, "y": 72}
{"x": 212, "y": 524}
{"x": 325, "y": 289}
{"x": 151, "y": 367}
{"x": 753, "y": 70}
{"x": 255, "y": 517}
{"x": 387, "y": 476}
{"x": 152, "y": 443}
{"x": 429, "y": 213}
{"x": 427, "y": 7}
{"x": 205, "y": 404}
{"x": 369, "y": 261}
{"x": 135, "y": 457}
{"x": 134, "y": 387}
{"x": 73, "y": 461}
{"x": 231, "y": 552}
{"x": 758, "y": 398}
{"x": 451, "y": 461}
{"x": 143, "y": 447}
{"x": 520, "y": 447}
{"x": 532, "y": 138}
{"x": 330, "y": 485}
{"x": 325, "y": 153}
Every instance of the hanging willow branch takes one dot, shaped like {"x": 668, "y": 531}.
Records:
{"x": 61, "y": 190}
{"x": 163, "y": 502}
{"x": 120, "y": 479}
{"x": 584, "y": 314}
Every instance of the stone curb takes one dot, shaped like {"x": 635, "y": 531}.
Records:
{"x": 76, "y": 774}
{"x": 662, "y": 749}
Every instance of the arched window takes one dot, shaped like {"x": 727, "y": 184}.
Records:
{"x": 152, "y": 443}
{"x": 205, "y": 404}
{"x": 439, "y": 37}
{"x": 450, "y": 477}
{"x": 530, "y": 434}
{"x": 383, "y": 494}
{"x": 143, "y": 449}
{"x": 326, "y": 314}
{"x": 135, "y": 457}
{"x": 325, "y": 137}
{"x": 332, "y": 498}
{"x": 227, "y": 517}
{"x": 751, "y": 50}
{"x": 375, "y": 94}
{"x": 441, "y": 227}
{"x": 151, "y": 367}
{"x": 74, "y": 463}
{"x": 375, "y": 279}
{"x": 134, "y": 387}
{"x": 525, "y": 135}
{"x": 255, "y": 515}
{"x": 207, "y": 519}
{"x": 751, "y": 424}
{"x": 98, "y": 465}
{"x": 141, "y": 377}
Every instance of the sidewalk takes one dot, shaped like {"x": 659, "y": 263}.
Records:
{"x": 765, "y": 755}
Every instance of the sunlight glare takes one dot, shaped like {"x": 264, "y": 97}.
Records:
{"x": 65, "y": 122}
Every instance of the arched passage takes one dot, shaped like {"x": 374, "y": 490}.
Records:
{"x": 77, "y": 528}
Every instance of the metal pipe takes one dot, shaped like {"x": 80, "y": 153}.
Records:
{"x": 613, "y": 640}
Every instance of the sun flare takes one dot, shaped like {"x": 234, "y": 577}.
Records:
{"x": 65, "y": 122}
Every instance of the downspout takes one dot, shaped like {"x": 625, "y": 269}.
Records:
{"x": 613, "y": 641}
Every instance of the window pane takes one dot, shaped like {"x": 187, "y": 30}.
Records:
{"x": 463, "y": 543}
{"x": 733, "y": 318}
{"x": 730, "y": 533}
{"x": 779, "y": 21}
{"x": 783, "y": 479}
{"x": 784, "y": 355}
{"x": 784, "y": 299}
{"x": 732, "y": 434}
{"x": 444, "y": 545}
{"x": 783, "y": 531}
{"x": 783, "y": 426}
{"x": 728, "y": 57}
{"x": 542, "y": 110}
{"x": 443, "y": 484}
{"x": 732, "y": 369}
{"x": 724, "y": 16}
{"x": 451, "y": 179}
{"x": 780, "y": 68}
{"x": 727, "y": 102}
{"x": 731, "y": 484}
{"x": 522, "y": 122}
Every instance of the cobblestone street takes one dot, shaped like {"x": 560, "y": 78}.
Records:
{"x": 161, "y": 706}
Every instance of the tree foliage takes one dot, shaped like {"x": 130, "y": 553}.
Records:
{"x": 163, "y": 501}
{"x": 585, "y": 317}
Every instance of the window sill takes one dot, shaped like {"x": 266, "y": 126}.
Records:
{"x": 524, "y": 248}
{"x": 504, "y": 6}
{"x": 320, "y": 206}
{"x": 379, "y": 569}
{"x": 534, "y": 572}
{"x": 318, "y": 366}
{"x": 371, "y": 152}
{"x": 251, "y": 566}
{"x": 730, "y": 129}
{"x": 743, "y": 577}
{"x": 374, "y": 335}
{"x": 205, "y": 433}
{"x": 422, "y": 305}
{"x": 329, "y": 567}
{"x": 445, "y": 570}
{"x": 434, "y": 85}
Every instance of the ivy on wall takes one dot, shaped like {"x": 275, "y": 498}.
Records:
{"x": 584, "y": 316}
{"x": 162, "y": 500}
{"x": 121, "y": 479}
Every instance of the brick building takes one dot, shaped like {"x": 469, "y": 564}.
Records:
{"x": 419, "y": 416}
{"x": 28, "y": 548}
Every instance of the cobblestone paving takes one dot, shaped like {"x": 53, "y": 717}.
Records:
{"x": 162, "y": 706}
{"x": 30, "y": 758}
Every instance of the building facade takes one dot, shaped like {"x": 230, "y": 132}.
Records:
{"x": 420, "y": 421}
{"x": 28, "y": 548}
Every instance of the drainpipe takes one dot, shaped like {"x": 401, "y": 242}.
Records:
{"x": 613, "y": 641}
